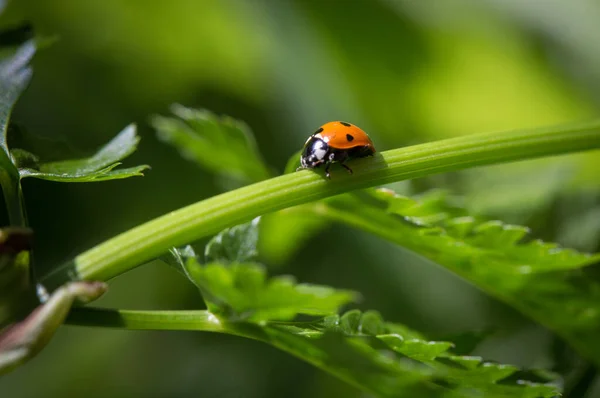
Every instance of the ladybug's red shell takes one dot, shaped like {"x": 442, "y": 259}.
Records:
{"x": 342, "y": 135}
{"x": 335, "y": 142}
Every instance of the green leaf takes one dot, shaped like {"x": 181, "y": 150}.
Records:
{"x": 99, "y": 167}
{"x": 391, "y": 360}
{"x": 242, "y": 291}
{"x": 498, "y": 245}
{"x": 234, "y": 245}
{"x": 381, "y": 358}
{"x": 220, "y": 144}
{"x": 361, "y": 348}
{"x": 14, "y": 165}
{"x": 177, "y": 258}
{"x": 544, "y": 281}
{"x": 234, "y": 287}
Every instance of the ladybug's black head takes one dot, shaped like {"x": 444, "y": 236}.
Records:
{"x": 314, "y": 153}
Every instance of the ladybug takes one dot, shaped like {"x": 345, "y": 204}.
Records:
{"x": 335, "y": 142}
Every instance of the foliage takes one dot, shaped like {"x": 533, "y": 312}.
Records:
{"x": 546, "y": 282}
{"x": 380, "y": 357}
{"x": 222, "y": 144}
{"x": 236, "y": 244}
{"x": 99, "y": 167}
{"x": 15, "y": 74}
{"x": 14, "y": 77}
{"x": 242, "y": 291}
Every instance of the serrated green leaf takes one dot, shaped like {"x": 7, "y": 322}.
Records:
{"x": 177, "y": 257}
{"x": 470, "y": 376}
{"x": 431, "y": 208}
{"x": 99, "y": 167}
{"x": 350, "y": 322}
{"x": 395, "y": 362}
{"x": 220, "y": 144}
{"x": 234, "y": 245}
{"x": 372, "y": 323}
{"x": 375, "y": 367}
{"x": 543, "y": 280}
{"x": 361, "y": 348}
{"x": 243, "y": 291}
{"x": 494, "y": 243}
{"x": 416, "y": 349}
{"x": 106, "y": 174}
{"x": 15, "y": 74}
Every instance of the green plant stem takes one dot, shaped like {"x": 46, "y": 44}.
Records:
{"x": 208, "y": 217}
{"x": 146, "y": 320}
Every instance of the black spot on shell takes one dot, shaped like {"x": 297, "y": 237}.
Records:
{"x": 318, "y": 131}
{"x": 346, "y": 124}
{"x": 349, "y": 137}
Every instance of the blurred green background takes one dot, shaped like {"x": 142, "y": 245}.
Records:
{"x": 405, "y": 71}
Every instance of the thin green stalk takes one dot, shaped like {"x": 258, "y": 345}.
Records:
{"x": 208, "y": 217}
{"x": 146, "y": 320}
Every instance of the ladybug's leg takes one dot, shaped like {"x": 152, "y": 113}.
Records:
{"x": 342, "y": 157}
{"x": 347, "y": 168}
{"x": 330, "y": 159}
